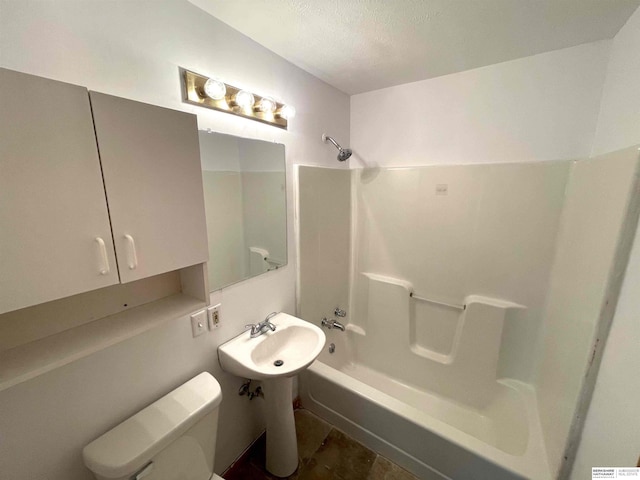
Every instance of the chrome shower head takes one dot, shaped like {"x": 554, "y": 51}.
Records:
{"x": 343, "y": 153}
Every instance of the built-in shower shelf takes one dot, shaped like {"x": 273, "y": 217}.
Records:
{"x": 35, "y": 358}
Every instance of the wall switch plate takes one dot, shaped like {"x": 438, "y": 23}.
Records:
{"x": 213, "y": 316}
{"x": 199, "y": 322}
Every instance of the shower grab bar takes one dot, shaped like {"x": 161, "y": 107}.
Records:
{"x": 435, "y": 302}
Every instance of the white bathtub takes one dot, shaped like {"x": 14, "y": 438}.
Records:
{"x": 432, "y": 436}
{"x": 435, "y": 407}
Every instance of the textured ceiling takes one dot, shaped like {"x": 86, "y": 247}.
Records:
{"x": 363, "y": 45}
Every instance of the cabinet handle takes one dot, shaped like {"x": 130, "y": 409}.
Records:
{"x": 104, "y": 260}
{"x": 133, "y": 258}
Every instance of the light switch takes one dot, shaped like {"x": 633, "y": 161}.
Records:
{"x": 199, "y": 323}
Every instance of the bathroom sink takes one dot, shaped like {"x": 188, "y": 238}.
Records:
{"x": 274, "y": 357}
{"x": 292, "y": 347}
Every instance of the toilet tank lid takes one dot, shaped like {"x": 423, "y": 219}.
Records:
{"x": 127, "y": 447}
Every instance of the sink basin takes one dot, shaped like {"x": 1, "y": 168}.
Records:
{"x": 292, "y": 347}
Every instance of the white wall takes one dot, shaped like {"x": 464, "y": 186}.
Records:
{"x": 133, "y": 49}
{"x": 611, "y": 433}
{"x": 619, "y": 119}
{"x": 542, "y": 107}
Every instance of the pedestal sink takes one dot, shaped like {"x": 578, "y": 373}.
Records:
{"x": 274, "y": 358}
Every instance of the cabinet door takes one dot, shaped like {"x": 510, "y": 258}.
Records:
{"x": 55, "y": 238}
{"x": 151, "y": 165}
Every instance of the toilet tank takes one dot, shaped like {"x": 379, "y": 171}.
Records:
{"x": 173, "y": 438}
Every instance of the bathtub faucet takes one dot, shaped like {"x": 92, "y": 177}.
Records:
{"x": 331, "y": 324}
{"x": 261, "y": 327}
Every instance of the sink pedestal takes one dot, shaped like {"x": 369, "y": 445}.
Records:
{"x": 282, "y": 448}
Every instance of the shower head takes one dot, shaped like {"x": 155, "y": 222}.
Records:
{"x": 343, "y": 153}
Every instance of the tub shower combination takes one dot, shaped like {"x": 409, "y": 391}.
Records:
{"x": 464, "y": 332}
{"x": 430, "y": 411}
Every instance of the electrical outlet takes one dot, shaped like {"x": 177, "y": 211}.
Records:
{"x": 199, "y": 322}
{"x": 214, "y": 316}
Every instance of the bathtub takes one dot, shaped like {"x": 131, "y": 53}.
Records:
{"x": 432, "y": 436}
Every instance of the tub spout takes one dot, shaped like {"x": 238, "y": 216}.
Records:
{"x": 331, "y": 324}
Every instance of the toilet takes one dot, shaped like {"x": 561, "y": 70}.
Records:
{"x": 171, "y": 439}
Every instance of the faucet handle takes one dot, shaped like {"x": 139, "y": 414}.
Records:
{"x": 338, "y": 312}
{"x": 270, "y": 316}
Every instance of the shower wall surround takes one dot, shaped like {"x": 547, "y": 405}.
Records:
{"x": 528, "y": 250}
{"x": 454, "y": 231}
{"x": 324, "y": 195}
{"x": 610, "y": 410}
{"x": 597, "y": 226}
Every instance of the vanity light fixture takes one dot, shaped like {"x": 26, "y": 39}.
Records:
{"x": 267, "y": 105}
{"x": 215, "y": 89}
{"x": 217, "y": 95}
{"x": 286, "y": 111}
{"x": 243, "y": 99}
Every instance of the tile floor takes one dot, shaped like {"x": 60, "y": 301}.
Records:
{"x": 324, "y": 453}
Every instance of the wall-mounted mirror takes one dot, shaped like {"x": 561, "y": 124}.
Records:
{"x": 245, "y": 203}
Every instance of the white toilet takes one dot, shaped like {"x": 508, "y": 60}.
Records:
{"x": 172, "y": 439}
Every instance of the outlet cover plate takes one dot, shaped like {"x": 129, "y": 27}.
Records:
{"x": 213, "y": 316}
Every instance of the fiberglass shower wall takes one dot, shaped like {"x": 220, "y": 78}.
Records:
{"x": 543, "y": 237}
{"x": 451, "y": 232}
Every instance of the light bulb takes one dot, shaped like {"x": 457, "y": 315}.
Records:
{"x": 215, "y": 89}
{"x": 287, "y": 112}
{"x": 244, "y": 99}
{"x": 267, "y": 105}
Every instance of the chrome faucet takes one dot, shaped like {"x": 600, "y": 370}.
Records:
{"x": 331, "y": 324}
{"x": 338, "y": 312}
{"x": 261, "y": 327}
